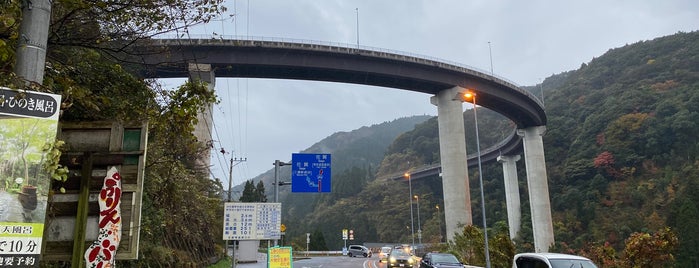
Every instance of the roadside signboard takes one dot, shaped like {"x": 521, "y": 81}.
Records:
{"x": 252, "y": 221}
{"x": 310, "y": 173}
{"x": 73, "y": 217}
{"x": 29, "y": 123}
{"x": 29, "y": 104}
{"x": 279, "y": 257}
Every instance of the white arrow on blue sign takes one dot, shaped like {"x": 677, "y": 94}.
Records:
{"x": 310, "y": 173}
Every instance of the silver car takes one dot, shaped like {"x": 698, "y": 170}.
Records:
{"x": 358, "y": 250}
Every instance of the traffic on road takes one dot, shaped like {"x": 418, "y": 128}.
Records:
{"x": 389, "y": 256}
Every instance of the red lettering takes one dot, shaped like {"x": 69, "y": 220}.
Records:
{"x": 93, "y": 254}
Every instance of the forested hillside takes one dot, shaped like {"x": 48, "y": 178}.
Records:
{"x": 621, "y": 156}
{"x": 356, "y": 155}
{"x": 622, "y": 147}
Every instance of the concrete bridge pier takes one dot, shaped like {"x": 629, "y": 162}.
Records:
{"x": 452, "y": 151}
{"x": 537, "y": 182}
{"x": 514, "y": 213}
{"x": 205, "y": 119}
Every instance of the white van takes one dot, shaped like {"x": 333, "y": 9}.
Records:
{"x": 550, "y": 260}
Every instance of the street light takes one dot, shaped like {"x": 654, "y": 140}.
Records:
{"x": 439, "y": 222}
{"x": 278, "y": 183}
{"x": 419, "y": 228}
{"x": 472, "y": 96}
{"x": 412, "y": 225}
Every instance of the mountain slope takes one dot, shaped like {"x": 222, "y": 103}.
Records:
{"x": 355, "y": 156}
{"x": 621, "y": 156}
{"x": 621, "y": 143}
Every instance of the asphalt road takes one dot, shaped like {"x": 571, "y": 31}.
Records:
{"x": 323, "y": 262}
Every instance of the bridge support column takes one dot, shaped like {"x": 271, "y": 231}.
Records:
{"x": 514, "y": 214}
{"x": 452, "y": 152}
{"x": 205, "y": 119}
{"x": 537, "y": 182}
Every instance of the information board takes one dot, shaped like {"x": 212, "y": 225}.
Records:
{"x": 279, "y": 257}
{"x": 310, "y": 173}
{"x": 252, "y": 221}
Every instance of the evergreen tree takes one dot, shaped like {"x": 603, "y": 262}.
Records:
{"x": 249, "y": 193}
{"x": 317, "y": 241}
{"x": 260, "y": 192}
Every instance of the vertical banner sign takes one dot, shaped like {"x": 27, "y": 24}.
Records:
{"x": 279, "y": 257}
{"x": 28, "y": 124}
{"x": 310, "y": 173}
{"x": 102, "y": 252}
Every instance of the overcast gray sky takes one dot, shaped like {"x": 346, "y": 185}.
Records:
{"x": 263, "y": 120}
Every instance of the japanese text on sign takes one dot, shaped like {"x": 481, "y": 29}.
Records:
{"x": 28, "y": 104}
{"x": 311, "y": 173}
{"x": 279, "y": 257}
{"x": 252, "y": 221}
{"x": 20, "y": 252}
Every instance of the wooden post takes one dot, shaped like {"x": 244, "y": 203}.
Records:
{"x": 77, "y": 260}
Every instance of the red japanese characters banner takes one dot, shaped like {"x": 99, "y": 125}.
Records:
{"x": 102, "y": 253}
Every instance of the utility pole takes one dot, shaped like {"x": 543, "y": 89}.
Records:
{"x": 234, "y": 162}
{"x": 419, "y": 227}
{"x": 33, "y": 39}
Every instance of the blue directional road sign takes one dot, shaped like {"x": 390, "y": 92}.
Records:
{"x": 310, "y": 173}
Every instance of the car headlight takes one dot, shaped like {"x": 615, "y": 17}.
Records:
{"x": 411, "y": 260}
{"x": 392, "y": 259}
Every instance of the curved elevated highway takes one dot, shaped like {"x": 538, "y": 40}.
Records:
{"x": 168, "y": 58}
{"x": 291, "y": 59}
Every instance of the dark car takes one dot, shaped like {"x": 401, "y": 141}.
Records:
{"x": 400, "y": 258}
{"x": 443, "y": 260}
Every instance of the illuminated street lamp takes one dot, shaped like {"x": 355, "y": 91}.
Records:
{"x": 419, "y": 228}
{"x": 472, "y": 96}
{"x": 412, "y": 225}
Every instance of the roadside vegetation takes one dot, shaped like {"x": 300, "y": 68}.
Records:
{"x": 621, "y": 149}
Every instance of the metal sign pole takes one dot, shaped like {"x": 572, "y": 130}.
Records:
{"x": 308, "y": 241}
